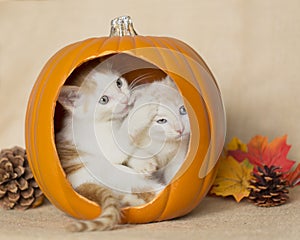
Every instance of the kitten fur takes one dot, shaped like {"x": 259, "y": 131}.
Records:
{"x": 77, "y": 103}
{"x": 110, "y": 206}
{"x": 153, "y": 102}
{"x": 76, "y": 156}
{"x": 110, "y": 201}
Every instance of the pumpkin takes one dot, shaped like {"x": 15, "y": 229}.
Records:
{"x": 203, "y": 102}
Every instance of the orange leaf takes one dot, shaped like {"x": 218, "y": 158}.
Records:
{"x": 261, "y": 153}
{"x": 293, "y": 177}
{"x": 232, "y": 178}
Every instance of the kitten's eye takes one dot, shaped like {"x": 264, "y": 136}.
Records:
{"x": 104, "y": 100}
{"x": 162, "y": 121}
{"x": 182, "y": 110}
{"x": 119, "y": 83}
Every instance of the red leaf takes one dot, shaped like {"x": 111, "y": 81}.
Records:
{"x": 261, "y": 153}
{"x": 293, "y": 178}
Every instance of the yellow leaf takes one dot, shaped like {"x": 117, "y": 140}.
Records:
{"x": 236, "y": 144}
{"x": 232, "y": 178}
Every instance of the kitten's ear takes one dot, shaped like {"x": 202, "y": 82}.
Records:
{"x": 169, "y": 82}
{"x": 68, "y": 97}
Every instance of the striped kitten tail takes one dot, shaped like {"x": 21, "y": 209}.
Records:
{"x": 110, "y": 205}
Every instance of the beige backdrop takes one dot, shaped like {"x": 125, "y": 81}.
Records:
{"x": 252, "y": 47}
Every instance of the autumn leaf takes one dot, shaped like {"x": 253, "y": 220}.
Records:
{"x": 236, "y": 144}
{"x": 260, "y": 153}
{"x": 232, "y": 178}
{"x": 293, "y": 177}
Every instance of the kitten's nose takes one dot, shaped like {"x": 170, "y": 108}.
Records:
{"x": 179, "y": 131}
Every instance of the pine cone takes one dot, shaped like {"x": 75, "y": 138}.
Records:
{"x": 18, "y": 188}
{"x": 267, "y": 188}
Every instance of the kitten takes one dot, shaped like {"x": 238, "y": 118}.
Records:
{"x": 158, "y": 129}
{"x": 89, "y": 116}
{"x": 78, "y": 125}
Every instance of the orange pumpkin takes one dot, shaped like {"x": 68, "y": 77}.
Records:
{"x": 204, "y": 105}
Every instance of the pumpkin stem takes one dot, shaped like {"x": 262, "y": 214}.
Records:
{"x": 122, "y": 26}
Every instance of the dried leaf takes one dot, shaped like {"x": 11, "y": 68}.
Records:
{"x": 261, "y": 153}
{"x": 293, "y": 177}
{"x": 232, "y": 178}
{"x": 236, "y": 144}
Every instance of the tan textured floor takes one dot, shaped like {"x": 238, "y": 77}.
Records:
{"x": 214, "y": 218}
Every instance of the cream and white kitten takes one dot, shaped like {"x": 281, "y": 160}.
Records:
{"x": 106, "y": 89}
{"x": 158, "y": 130}
{"x": 100, "y": 103}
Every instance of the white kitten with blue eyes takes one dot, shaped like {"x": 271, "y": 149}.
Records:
{"x": 111, "y": 93}
{"x": 106, "y": 89}
{"x": 158, "y": 130}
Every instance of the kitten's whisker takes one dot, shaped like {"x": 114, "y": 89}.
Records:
{"x": 139, "y": 79}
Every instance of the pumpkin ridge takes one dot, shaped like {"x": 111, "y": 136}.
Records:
{"x": 162, "y": 50}
{"x": 118, "y": 44}
{"x": 38, "y": 92}
{"x": 151, "y": 41}
{"x": 182, "y": 55}
{"x": 134, "y": 44}
{"x": 88, "y": 44}
{"x": 107, "y": 44}
{"x": 183, "y": 46}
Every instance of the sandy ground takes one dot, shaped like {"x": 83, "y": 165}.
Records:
{"x": 214, "y": 218}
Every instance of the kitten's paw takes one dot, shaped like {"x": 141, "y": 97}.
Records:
{"x": 149, "y": 169}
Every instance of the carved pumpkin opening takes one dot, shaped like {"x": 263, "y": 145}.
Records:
{"x": 137, "y": 72}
